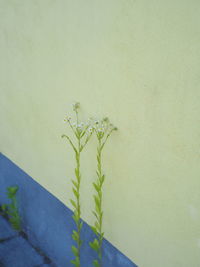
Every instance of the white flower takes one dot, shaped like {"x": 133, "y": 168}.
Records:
{"x": 67, "y": 119}
{"x": 90, "y": 129}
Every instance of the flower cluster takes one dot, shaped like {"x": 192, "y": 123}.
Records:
{"x": 103, "y": 127}
{"x": 100, "y": 127}
{"x": 79, "y": 127}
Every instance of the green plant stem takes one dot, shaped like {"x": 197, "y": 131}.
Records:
{"x": 97, "y": 243}
{"x": 76, "y": 235}
{"x": 100, "y": 197}
{"x": 100, "y": 236}
{"x": 78, "y": 198}
{"x": 82, "y": 137}
{"x": 77, "y": 210}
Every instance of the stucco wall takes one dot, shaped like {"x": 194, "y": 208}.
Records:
{"x": 138, "y": 63}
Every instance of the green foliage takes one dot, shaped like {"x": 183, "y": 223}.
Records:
{"x": 95, "y": 245}
{"x": 11, "y": 209}
{"x": 103, "y": 130}
{"x": 82, "y": 133}
{"x": 96, "y": 263}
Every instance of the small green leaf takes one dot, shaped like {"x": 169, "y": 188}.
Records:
{"x": 76, "y": 218}
{"x": 97, "y": 209}
{"x": 81, "y": 225}
{"x": 15, "y": 222}
{"x": 102, "y": 179}
{"x": 96, "y": 187}
{"x": 75, "y": 184}
{"x": 75, "y": 235}
{"x": 97, "y": 201}
{"x": 75, "y": 251}
{"x": 73, "y": 203}
{"x": 95, "y": 245}
{"x": 96, "y": 263}
{"x": 75, "y": 192}
{"x": 4, "y": 207}
{"x": 95, "y": 214}
{"x": 76, "y": 262}
{"x": 96, "y": 242}
{"x": 11, "y": 191}
{"x": 97, "y": 226}
{"x": 98, "y": 159}
{"x": 73, "y": 262}
{"x": 94, "y": 230}
{"x": 102, "y": 235}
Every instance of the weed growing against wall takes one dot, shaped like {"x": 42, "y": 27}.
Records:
{"x": 11, "y": 210}
{"x": 103, "y": 129}
{"x": 82, "y": 133}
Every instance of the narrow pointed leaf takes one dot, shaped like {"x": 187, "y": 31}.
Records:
{"x": 97, "y": 226}
{"x": 75, "y": 192}
{"x": 96, "y": 263}
{"x": 81, "y": 225}
{"x": 94, "y": 230}
{"x": 96, "y": 187}
{"x": 97, "y": 201}
{"x": 95, "y": 245}
{"x": 75, "y": 235}
{"x": 75, "y": 184}
{"x": 95, "y": 214}
{"x": 75, "y": 251}
{"x": 73, "y": 203}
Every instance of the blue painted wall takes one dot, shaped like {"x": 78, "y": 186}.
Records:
{"x": 48, "y": 222}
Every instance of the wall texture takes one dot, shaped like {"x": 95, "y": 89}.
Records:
{"x": 138, "y": 63}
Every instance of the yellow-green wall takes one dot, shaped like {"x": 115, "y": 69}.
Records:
{"x": 136, "y": 61}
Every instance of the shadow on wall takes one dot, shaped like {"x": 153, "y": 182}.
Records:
{"x": 48, "y": 223}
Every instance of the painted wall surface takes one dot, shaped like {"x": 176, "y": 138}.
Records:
{"x": 137, "y": 62}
